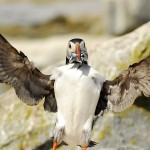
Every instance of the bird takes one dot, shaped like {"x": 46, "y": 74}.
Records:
{"x": 75, "y": 91}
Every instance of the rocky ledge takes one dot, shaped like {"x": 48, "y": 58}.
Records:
{"x": 27, "y": 128}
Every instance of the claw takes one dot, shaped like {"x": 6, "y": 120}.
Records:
{"x": 55, "y": 145}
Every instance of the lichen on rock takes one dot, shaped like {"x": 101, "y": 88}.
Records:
{"x": 25, "y": 128}
{"x": 117, "y": 54}
{"x": 129, "y": 128}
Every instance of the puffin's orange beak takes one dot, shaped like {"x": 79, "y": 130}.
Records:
{"x": 78, "y": 51}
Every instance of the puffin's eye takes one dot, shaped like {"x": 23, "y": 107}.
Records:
{"x": 69, "y": 45}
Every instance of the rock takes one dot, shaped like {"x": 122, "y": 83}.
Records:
{"x": 125, "y": 130}
{"x": 125, "y": 15}
{"x": 28, "y": 128}
{"x": 46, "y": 11}
{"x": 55, "y": 18}
{"x": 116, "y": 55}
{"x": 21, "y": 126}
{"x": 48, "y": 51}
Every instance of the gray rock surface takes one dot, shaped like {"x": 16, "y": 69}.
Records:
{"x": 117, "y": 54}
{"x": 22, "y": 127}
{"x": 11, "y": 13}
{"x": 125, "y": 15}
{"x": 30, "y": 128}
{"x": 129, "y": 129}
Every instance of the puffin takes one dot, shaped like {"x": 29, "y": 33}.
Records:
{"x": 75, "y": 91}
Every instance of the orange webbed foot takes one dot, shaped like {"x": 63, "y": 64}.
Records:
{"x": 84, "y": 148}
{"x": 55, "y": 145}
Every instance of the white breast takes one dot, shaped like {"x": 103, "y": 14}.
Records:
{"x": 77, "y": 92}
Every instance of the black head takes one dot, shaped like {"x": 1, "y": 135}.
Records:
{"x": 76, "y": 51}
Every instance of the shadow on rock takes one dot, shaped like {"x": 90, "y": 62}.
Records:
{"x": 143, "y": 102}
{"x": 48, "y": 145}
{"x": 45, "y": 146}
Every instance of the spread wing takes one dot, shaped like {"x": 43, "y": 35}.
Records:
{"x": 29, "y": 83}
{"x": 120, "y": 94}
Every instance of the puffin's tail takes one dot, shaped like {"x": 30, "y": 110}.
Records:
{"x": 92, "y": 144}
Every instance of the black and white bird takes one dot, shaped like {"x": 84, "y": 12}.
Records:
{"x": 76, "y": 91}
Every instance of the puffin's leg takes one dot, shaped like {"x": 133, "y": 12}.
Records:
{"x": 55, "y": 145}
{"x": 58, "y": 136}
{"x": 59, "y": 131}
{"x": 86, "y": 133}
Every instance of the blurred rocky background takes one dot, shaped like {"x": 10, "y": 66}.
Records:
{"x": 42, "y": 29}
{"x": 41, "y": 18}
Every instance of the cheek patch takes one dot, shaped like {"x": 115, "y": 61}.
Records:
{"x": 68, "y": 53}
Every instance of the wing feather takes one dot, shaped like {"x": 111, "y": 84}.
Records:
{"x": 29, "y": 83}
{"x": 121, "y": 93}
